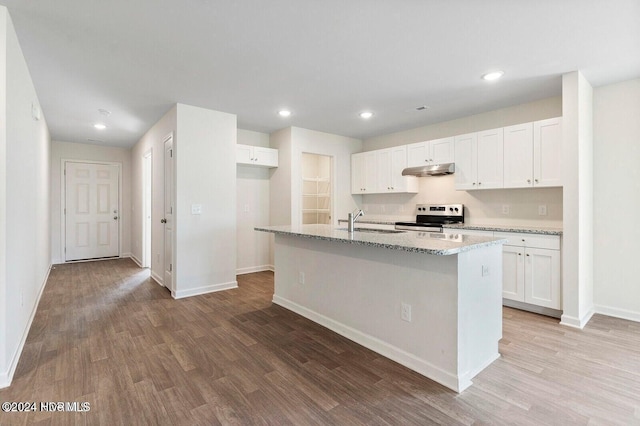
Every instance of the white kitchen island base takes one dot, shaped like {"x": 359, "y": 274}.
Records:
{"x": 358, "y": 291}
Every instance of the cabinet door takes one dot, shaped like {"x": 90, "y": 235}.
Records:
{"x": 542, "y": 277}
{"x": 384, "y": 171}
{"x": 547, "y": 149}
{"x": 265, "y": 156}
{"x": 244, "y": 154}
{"x": 357, "y": 173}
{"x": 490, "y": 159}
{"x": 518, "y": 156}
{"x": 370, "y": 172}
{"x": 513, "y": 273}
{"x": 417, "y": 154}
{"x": 441, "y": 151}
{"x": 401, "y": 183}
{"x": 466, "y": 156}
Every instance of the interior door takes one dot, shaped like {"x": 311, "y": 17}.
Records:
{"x": 168, "y": 213}
{"x": 91, "y": 210}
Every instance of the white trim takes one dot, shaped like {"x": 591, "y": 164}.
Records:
{"x": 252, "y": 269}
{"x": 204, "y": 290}
{"x": 135, "y": 260}
{"x": 392, "y": 352}
{"x": 7, "y": 377}
{"x": 574, "y": 322}
{"x": 63, "y": 202}
{"x": 617, "y": 313}
{"x": 156, "y": 278}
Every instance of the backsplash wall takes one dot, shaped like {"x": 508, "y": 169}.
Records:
{"x": 484, "y": 207}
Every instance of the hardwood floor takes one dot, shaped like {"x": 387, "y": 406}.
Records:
{"x": 106, "y": 334}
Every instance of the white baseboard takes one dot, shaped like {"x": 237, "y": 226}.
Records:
{"x": 385, "y": 349}
{"x": 252, "y": 269}
{"x": 204, "y": 290}
{"x": 126, "y": 255}
{"x": 617, "y": 313}
{"x": 576, "y": 322}
{"x": 136, "y": 260}
{"x": 7, "y": 376}
{"x": 157, "y": 278}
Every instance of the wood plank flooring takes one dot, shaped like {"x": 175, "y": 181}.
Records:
{"x": 105, "y": 333}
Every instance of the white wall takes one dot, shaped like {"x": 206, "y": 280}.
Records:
{"x": 152, "y": 141}
{"x": 577, "y": 164}
{"x": 252, "y": 194}
{"x": 73, "y": 151}
{"x": 482, "y": 207}
{"x": 205, "y": 174}
{"x": 616, "y": 125}
{"x": 24, "y": 200}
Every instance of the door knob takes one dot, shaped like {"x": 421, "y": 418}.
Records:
{"x": 163, "y": 220}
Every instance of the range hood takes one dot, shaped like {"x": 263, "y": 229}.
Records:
{"x": 432, "y": 170}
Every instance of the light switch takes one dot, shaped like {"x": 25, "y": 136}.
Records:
{"x": 196, "y": 208}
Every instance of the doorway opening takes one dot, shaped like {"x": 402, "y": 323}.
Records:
{"x": 147, "y": 177}
{"x": 316, "y": 188}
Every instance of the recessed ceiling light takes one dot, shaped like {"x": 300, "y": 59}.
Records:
{"x": 366, "y": 114}
{"x": 284, "y": 113}
{"x": 99, "y": 126}
{"x": 493, "y": 75}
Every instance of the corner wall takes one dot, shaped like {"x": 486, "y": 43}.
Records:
{"x": 577, "y": 238}
{"x": 205, "y": 174}
{"x": 616, "y": 140}
{"x": 24, "y": 200}
{"x": 87, "y": 152}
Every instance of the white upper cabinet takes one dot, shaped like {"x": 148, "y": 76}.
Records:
{"x": 547, "y": 152}
{"x": 375, "y": 172}
{"x": 532, "y": 154}
{"x": 256, "y": 156}
{"x": 466, "y": 154}
{"x": 490, "y": 159}
{"x": 437, "y": 151}
{"x": 518, "y": 156}
{"x": 479, "y": 160}
{"x": 364, "y": 173}
{"x": 391, "y": 162}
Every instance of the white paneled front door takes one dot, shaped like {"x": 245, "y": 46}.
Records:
{"x": 91, "y": 210}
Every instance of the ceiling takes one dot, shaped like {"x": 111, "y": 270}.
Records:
{"x": 325, "y": 60}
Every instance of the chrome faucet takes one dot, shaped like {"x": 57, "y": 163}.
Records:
{"x": 353, "y": 217}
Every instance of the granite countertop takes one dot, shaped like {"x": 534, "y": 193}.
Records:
{"x": 508, "y": 228}
{"x": 440, "y": 244}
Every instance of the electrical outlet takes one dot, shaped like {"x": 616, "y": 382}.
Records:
{"x": 542, "y": 210}
{"x": 196, "y": 208}
{"x": 506, "y": 209}
{"x": 246, "y": 208}
{"x": 485, "y": 270}
{"x": 405, "y": 312}
{"x": 300, "y": 277}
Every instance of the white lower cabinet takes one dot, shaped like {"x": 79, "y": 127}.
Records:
{"x": 531, "y": 269}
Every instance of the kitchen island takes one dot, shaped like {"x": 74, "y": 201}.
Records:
{"x": 429, "y": 301}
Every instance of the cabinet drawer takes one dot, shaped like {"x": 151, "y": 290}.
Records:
{"x": 551, "y": 242}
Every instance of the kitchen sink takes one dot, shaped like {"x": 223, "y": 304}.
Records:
{"x": 374, "y": 231}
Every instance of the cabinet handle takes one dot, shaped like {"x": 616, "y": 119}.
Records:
{"x": 479, "y": 183}
{"x": 519, "y": 254}
{"x": 528, "y": 180}
{"x": 523, "y": 240}
{"x": 527, "y": 255}
{"x": 431, "y": 159}
{"x": 473, "y": 183}
{"x": 536, "y": 180}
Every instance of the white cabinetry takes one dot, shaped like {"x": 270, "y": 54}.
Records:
{"x": 479, "y": 160}
{"x": 437, "y": 151}
{"x": 375, "y": 172}
{"x": 532, "y": 153}
{"x": 256, "y": 156}
{"x": 364, "y": 173}
{"x": 547, "y": 152}
{"x": 531, "y": 269}
{"x": 391, "y": 162}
